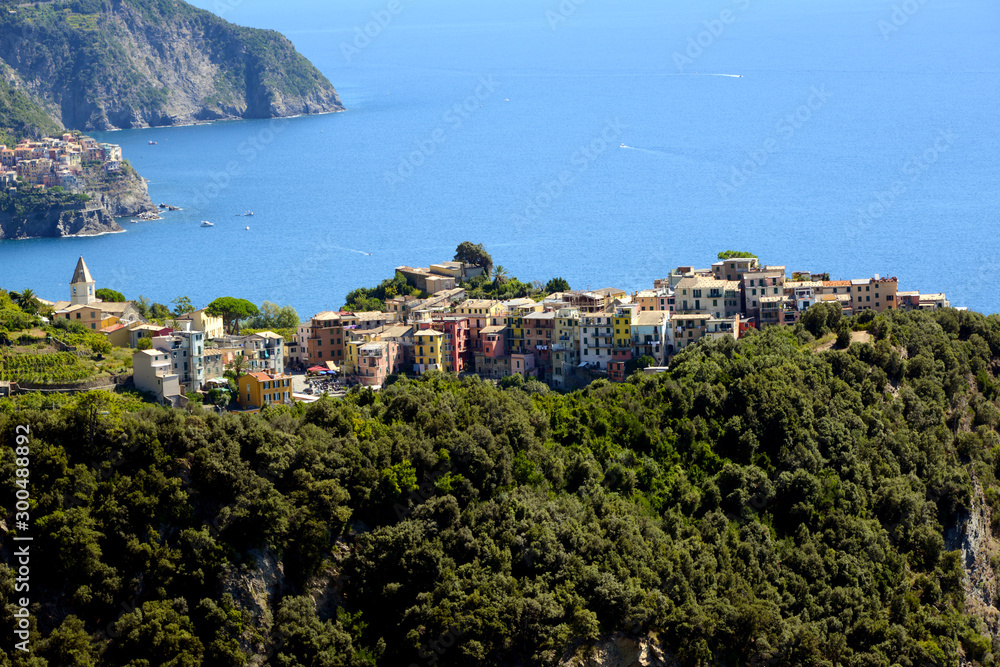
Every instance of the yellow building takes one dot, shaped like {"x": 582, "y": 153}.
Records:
{"x": 90, "y": 316}
{"x": 117, "y": 334}
{"x": 259, "y": 389}
{"x": 623, "y": 320}
{"x": 486, "y": 309}
{"x": 202, "y": 321}
{"x": 515, "y": 333}
{"x": 352, "y": 346}
{"x": 427, "y": 344}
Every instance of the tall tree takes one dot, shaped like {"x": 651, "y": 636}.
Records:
{"x": 233, "y": 312}
{"x": 475, "y": 254}
{"x": 499, "y": 275}
{"x": 238, "y": 366}
{"x": 26, "y": 300}
{"x": 182, "y": 305}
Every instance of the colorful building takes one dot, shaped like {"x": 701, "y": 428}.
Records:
{"x": 427, "y": 344}
{"x": 257, "y": 390}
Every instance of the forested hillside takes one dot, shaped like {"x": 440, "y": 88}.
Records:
{"x": 760, "y": 504}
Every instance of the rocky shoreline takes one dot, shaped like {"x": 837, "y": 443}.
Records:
{"x": 58, "y": 223}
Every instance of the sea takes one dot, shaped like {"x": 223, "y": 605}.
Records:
{"x": 602, "y": 141}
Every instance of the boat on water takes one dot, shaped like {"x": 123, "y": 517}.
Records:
{"x": 248, "y": 213}
{"x": 134, "y": 222}
{"x": 248, "y": 227}
{"x": 152, "y": 143}
{"x": 206, "y": 223}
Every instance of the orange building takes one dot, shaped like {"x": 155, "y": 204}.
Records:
{"x": 259, "y": 389}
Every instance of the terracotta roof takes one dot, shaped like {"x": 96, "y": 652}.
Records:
{"x": 836, "y": 283}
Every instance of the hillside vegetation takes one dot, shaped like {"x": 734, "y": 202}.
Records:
{"x": 759, "y": 504}
{"x": 105, "y": 64}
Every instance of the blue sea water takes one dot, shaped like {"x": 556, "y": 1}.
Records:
{"x": 860, "y": 137}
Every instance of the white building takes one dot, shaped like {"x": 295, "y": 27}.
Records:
{"x": 597, "y": 339}
{"x": 153, "y": 372}
{"x": 186, "y": 350}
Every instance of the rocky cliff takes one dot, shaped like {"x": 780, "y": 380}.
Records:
{"x": 55, "y": 222}
{"x": 105, "y": 64}
{"x": 123, "y": 194}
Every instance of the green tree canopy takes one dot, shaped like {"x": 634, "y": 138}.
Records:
{"x": 735, "y": 254}
{"x": 474, "y": 254}
{"x": 182, "y": 305}
{"x": 272, "y": 316}
{"x": 110, "y": 295}
{"x": 557, "y": 285}
{"x": 233, "y": 312}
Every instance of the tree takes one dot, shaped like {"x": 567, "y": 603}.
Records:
{"x": 144, "y": 343}
{"x": 499, "y": 275}
{"x": 233, "y": 312}
{"x": 557, "y": 285}
{"x": 735, "y": 254}
{"x": 182, "y": 305}
{"x": 238, "y": 366}
{"x": 159, "y": 311}
{"x": 26, "y": 300}
{"x": 110, "y": 295}
{"x": 821, "y": 318}
{"x": 219, "y": 397}
{"x": 101, "y": 346}
{"x": 637, "y": 364}
{"x": 474, "y": 254}
{"x": 142, "y": 305}
{"x": 272, "y": 316}
{"x": 844, "y": 338}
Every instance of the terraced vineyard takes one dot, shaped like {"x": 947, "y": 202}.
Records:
{"x": 47, "y": 368}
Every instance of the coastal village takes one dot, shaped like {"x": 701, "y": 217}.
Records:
{"x": 53, "y": 161}
{"x": 565, "y": 339}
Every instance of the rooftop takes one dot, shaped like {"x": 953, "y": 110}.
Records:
{"x": 651, "y": 318}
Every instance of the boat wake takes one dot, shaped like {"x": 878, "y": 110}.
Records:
{"x": 731, "y": 76}
{"x": 360, "y": 252}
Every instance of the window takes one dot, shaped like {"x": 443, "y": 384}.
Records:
{"x": 868, "y": 298}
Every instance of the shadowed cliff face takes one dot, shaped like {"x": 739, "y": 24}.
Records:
{"x": 55, "y": 222}
{"x": 106, "y": 64}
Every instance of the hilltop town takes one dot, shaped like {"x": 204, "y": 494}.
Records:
{"x": 565, "y": 339}
{"x": 58, "y": 186}
{"x": 56, "y": 161}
